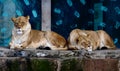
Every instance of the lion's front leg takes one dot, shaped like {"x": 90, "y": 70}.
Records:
{"x": 26, "y": 45}
{"x": 15, "y": 46}
{"x": 11, "y": 45}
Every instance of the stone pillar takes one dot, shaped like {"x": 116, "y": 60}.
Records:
{"x": 98, "y": 17}
{"x": 46, "y": 15}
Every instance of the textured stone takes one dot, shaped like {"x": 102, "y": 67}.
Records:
{"x": 50, "y": 60}
{"x": 43, "y": 65}
{"x": 73, "y": 64}
{"x": 27, "y": 64}
{"x": 100, "y": 65}
{"x": 99, "y": 54}
{"x": 103, "y": 54}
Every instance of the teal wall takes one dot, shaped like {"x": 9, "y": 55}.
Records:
{"x": 66, "y": 16}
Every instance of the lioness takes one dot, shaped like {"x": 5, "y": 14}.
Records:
{"x": 24, "y": 37}
{"x": 89, "y": 40}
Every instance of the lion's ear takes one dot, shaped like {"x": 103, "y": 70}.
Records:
{"x": 13, "y": 19}
{"x": 28, "y": 17}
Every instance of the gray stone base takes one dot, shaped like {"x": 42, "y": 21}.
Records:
{"x": 48, "y": 60}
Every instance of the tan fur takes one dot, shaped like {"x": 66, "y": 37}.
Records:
{"x": 89, "y": 40}
{"x": 105, "y": 40}
{"x": 24, "y": 37}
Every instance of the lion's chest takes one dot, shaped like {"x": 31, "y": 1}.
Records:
{"x": 19, "y": 40}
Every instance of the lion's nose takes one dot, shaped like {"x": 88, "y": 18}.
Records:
{"x": 19, "y": 30}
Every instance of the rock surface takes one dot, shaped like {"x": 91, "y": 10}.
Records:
{"x": 49, "y": 60}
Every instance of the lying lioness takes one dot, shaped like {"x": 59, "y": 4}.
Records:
{"x": 89, "y": 40}
{"x": 24, "y": 37}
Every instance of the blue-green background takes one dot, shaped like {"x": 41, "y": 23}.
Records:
{"x": 66, "y": 16}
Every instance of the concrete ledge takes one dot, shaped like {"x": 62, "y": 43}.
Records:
{"x": 48, "y": 60}
{"x": 99, "y": 54}
{"x": 53, "y": 64}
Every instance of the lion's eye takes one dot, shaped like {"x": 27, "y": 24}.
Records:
{"x": 23, "y": 22}
{"x": 15, "y": 23}
{"x": 83, "y": 43}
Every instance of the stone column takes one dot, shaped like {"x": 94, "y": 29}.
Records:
{"x": 46, "y": 15}
{"x": 98, "y": 17}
